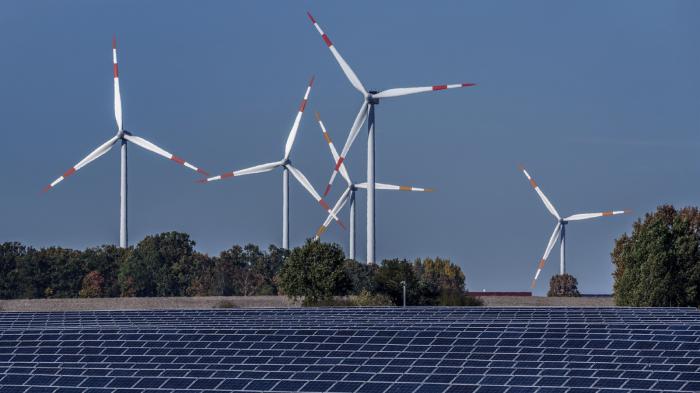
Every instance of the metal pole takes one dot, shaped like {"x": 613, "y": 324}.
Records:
{"x": 403, "y": 284}
{"x": 562, "y": 250}
{"x": 123, "y": 235}
{"x": 352, "y": 224}
{"x": 370, "y": 184}
{"x": 285, "y": 208}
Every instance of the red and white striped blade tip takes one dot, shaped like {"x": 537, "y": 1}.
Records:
{"x": 311, "y": 17}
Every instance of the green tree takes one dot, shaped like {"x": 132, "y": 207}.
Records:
{"x": 388, "y": 281}
{"x": 228, "y": 266}
{"x": 50, "y": 272}
{"x": 201, "y": 277}
{"x": 361, "y": 276}
{"x": 563, "y": 285}
{"x": 315, "y": 272}
{"x": 158, "y": 266}
{"x": 270, "y": 268}
{"x": 11, "y": 255}
{"x": 439, "y": 272}
{"x": 106, "y": 260}
{"x": 659, "y": 263}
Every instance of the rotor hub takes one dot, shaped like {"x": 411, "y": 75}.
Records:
{"x": 371, "y": 99}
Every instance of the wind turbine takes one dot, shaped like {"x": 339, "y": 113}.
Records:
{"x": 370, "y": 100}
{"x": 286, "y": 164}
{"x": 560, "y": 228}
{"x": 349, "y": 193}
{"x": 123, "y": 136}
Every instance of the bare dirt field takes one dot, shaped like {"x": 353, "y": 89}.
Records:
{"x": 209, "y": 302}
{"x": 543, "y": 301}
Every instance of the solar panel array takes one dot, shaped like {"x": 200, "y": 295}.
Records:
{"x": 374, "y": 350}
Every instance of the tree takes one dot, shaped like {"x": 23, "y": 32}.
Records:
{"x": 106, "y": 260}
{"x": 439, "y": 272}
{"x": 388, "y": 280}
{"x": 315, "y": 272}
{"x": 93, "y": 283}
{"x": 361, "y": 276}
{"x": 563, "y": 285}
{"x": 11, "y": 255}
{"x": 201, "y": 276}
{"x": 659, "y": 263}
{"x": 158, "y": 266}
{"x": 273, "y": 262}
{"x": 50, "y": 272}
{"x": 228, "y": 266}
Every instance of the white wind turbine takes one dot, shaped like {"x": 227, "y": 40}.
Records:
{"x": 349, "y": 193}
{"x": 560, "y": 228}
{"x": 123, "y": 136}
{"x": 287, "y": 167}
{"x": 370, "y": 99}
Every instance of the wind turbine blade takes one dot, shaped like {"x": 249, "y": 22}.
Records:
{"x": 585, "y": 216}
{"x": 334, "y": 212}
{"x": 295, "y": 127}
{"x": 334, "y": 152}
{"x": 354, "y": 130}
{"x": 155, "y": 149}
{"x": 382, "y": 186}
{"x": 403, "y": 91}
{"x": 550, "y": 245}
{"x": 95, "y": 154}
{"x": 247, "y": 171}
{"x": 539, "y": 192}
{"x": 117, "y": 94}
{"x": 306, "y": 184}
{"x": 349, "y": 73}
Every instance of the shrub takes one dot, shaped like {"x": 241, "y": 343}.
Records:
{"x": 563, "y": 285}
{"x": 369, "y": 299}
{"x": 363, "y": 299}
{"x": 453, "y": 297}
{"x": 226, "y": 304}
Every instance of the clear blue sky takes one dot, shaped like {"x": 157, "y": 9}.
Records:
{"x": 598, "y": 99}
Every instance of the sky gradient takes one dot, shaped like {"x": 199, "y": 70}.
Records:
{"x": 599, "y": 100}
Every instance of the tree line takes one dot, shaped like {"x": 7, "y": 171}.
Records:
{"x": 167, "y": 264}
{"x": 657, "y": 264}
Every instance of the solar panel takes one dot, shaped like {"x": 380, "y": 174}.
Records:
{"x": 572, "y": 350}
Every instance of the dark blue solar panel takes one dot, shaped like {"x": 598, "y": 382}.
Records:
{"x": 384, "y": 349}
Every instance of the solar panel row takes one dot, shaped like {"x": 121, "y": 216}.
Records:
{"x": 353, "y": 350}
